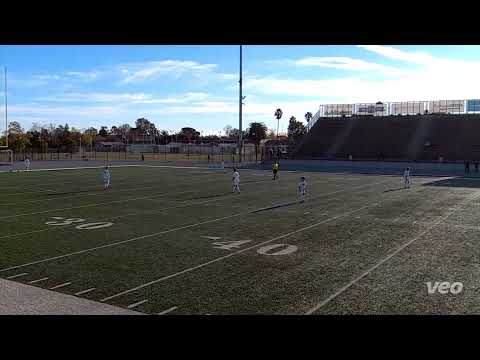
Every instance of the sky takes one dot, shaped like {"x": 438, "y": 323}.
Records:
{"x": 197, "y": 86}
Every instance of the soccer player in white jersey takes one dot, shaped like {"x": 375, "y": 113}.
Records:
{"x": 27, "y": 164}
{"x": 406, "y": 178}
{"x": 236, "y": 181}
{"x": 302, "y": 189}
{"x": 106, "y": 178}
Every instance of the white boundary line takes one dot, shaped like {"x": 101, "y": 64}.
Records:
{"x": 36, "y": 281}
{"x": 84, "y": 291}
{"x": 364, "y": 274}
{"x": 131, "y": 306}
{"x": 15, "y": 276}
{"x": 232, "y": 254}
{"x": 240, "y": 251}
{"x": 60, "y": 286}
{"x": 151, "y": 235}
{"x": 168, "y": 310}
{"x": 197, "y": 203}
{"x": 99, "y": 193}
{"x": 122, "y": 242}
{"x": 92, "y": 205}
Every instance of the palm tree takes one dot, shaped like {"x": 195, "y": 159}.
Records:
{"x": 278, "y": 115}
{"x": 308, "y": 116}
{"x": 256, "y": 133}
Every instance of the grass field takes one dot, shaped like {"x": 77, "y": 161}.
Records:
{"x": 177, "y": 241}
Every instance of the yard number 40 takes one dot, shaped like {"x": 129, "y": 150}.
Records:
{"x": 284, "y": 249}
{"x": 61, "y": 221}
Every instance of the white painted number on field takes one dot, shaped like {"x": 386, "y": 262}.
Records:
{"x": 285, "y": 249}
{"x": 97, "y": 225}
{"x": 229, "y": 245}
{"x": 288, "y": 249}
{"x": 64, "y": 222}
{"x": 87, "y": 226}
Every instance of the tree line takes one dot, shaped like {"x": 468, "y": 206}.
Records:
{"x": 65, "y": 138}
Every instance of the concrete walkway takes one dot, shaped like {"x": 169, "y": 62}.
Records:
{"x": 21, "y": 299}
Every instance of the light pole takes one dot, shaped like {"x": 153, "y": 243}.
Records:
{"x": 240, "y": 104}
{"x": 6, "y": 111}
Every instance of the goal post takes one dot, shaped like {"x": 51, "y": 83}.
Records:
{"x": 6, "y": 159}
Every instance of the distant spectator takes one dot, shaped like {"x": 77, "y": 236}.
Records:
{"x": 476, "y": 166}
{"x": 143, "y": 157}
{"x": 467, "y": 167}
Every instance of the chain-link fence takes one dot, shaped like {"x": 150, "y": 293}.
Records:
{"x": 210, "y": 152}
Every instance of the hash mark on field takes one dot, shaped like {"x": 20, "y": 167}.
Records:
{"x": 60, "y": 286}
{"x": 168, "y": 310}
{"x": 84, "y": 291}
{"x": 211, "y": 237}
{"x": 15, "y": 276}
{"x": 36, "y": 281}
{"x": 131, "y": 306}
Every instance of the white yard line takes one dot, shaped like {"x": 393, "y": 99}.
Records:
{"x": 98, "y": 193}
{"x": 187, "y": 203}
{"x": 233, "y": 254}
{"x": 16, "y": 276}
{"x": 241, "y": 251}
{"x": 167, "y": 311}
{"x": 36, "y": 281}
{"x": 25, "y": 233}
{"x": 364, "y": 274}
{"x": 151, "y": 235}
{"x": 131, "y": 306}
{"x": 60, "y": 286}
{"x": 99, "y": 189}
{"x": 84, "y": 291}
{"x": 122, "y": 242}
{"x": 89, "y": 205}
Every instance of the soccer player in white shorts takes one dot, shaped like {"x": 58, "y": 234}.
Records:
{"x": 302, "y": 189}
{"x": 106, "y": 178}
{"x": 27, "y": 164}
{"x": 406, "y": 178}
{"x": 236, "y": 181}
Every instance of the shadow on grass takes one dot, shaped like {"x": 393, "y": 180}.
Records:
{"x": 94, "y": 191}
{"x": 209, "y": 196}
{"x": 464, "y": 182}
{"x": 390, "y": 190}
{"x": 274, "y": 207}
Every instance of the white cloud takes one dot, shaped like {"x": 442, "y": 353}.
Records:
{"x": 433, "y": 78}
{"x": 397, "y": 54}
{"x": 134, "y": 98}
{"x": 185, "y": 98}
{"x": 96, "y": 97}
{"x": 83, "y": 75}
{"x": 347, "y": 63}
{"x": 142, "y": 72}
{"x": 47, "y": 77}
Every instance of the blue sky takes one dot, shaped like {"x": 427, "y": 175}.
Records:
{"x": 197, "y": 86}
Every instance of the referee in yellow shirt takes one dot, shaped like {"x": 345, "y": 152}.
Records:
{"x": 276, "y": 166}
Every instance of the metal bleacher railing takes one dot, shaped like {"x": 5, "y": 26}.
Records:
{"x": 471, "y": 106}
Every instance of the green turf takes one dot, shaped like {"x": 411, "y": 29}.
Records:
{"x": 157, "y": 248}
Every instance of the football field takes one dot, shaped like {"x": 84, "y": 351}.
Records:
{"x": 176, "y": 240}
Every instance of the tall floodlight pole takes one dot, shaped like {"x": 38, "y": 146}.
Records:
{"x": 6, "y": 110}
{"x": 240, "y": 111}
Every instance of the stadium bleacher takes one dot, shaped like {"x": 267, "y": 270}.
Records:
{"x": 407, "y": 137}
